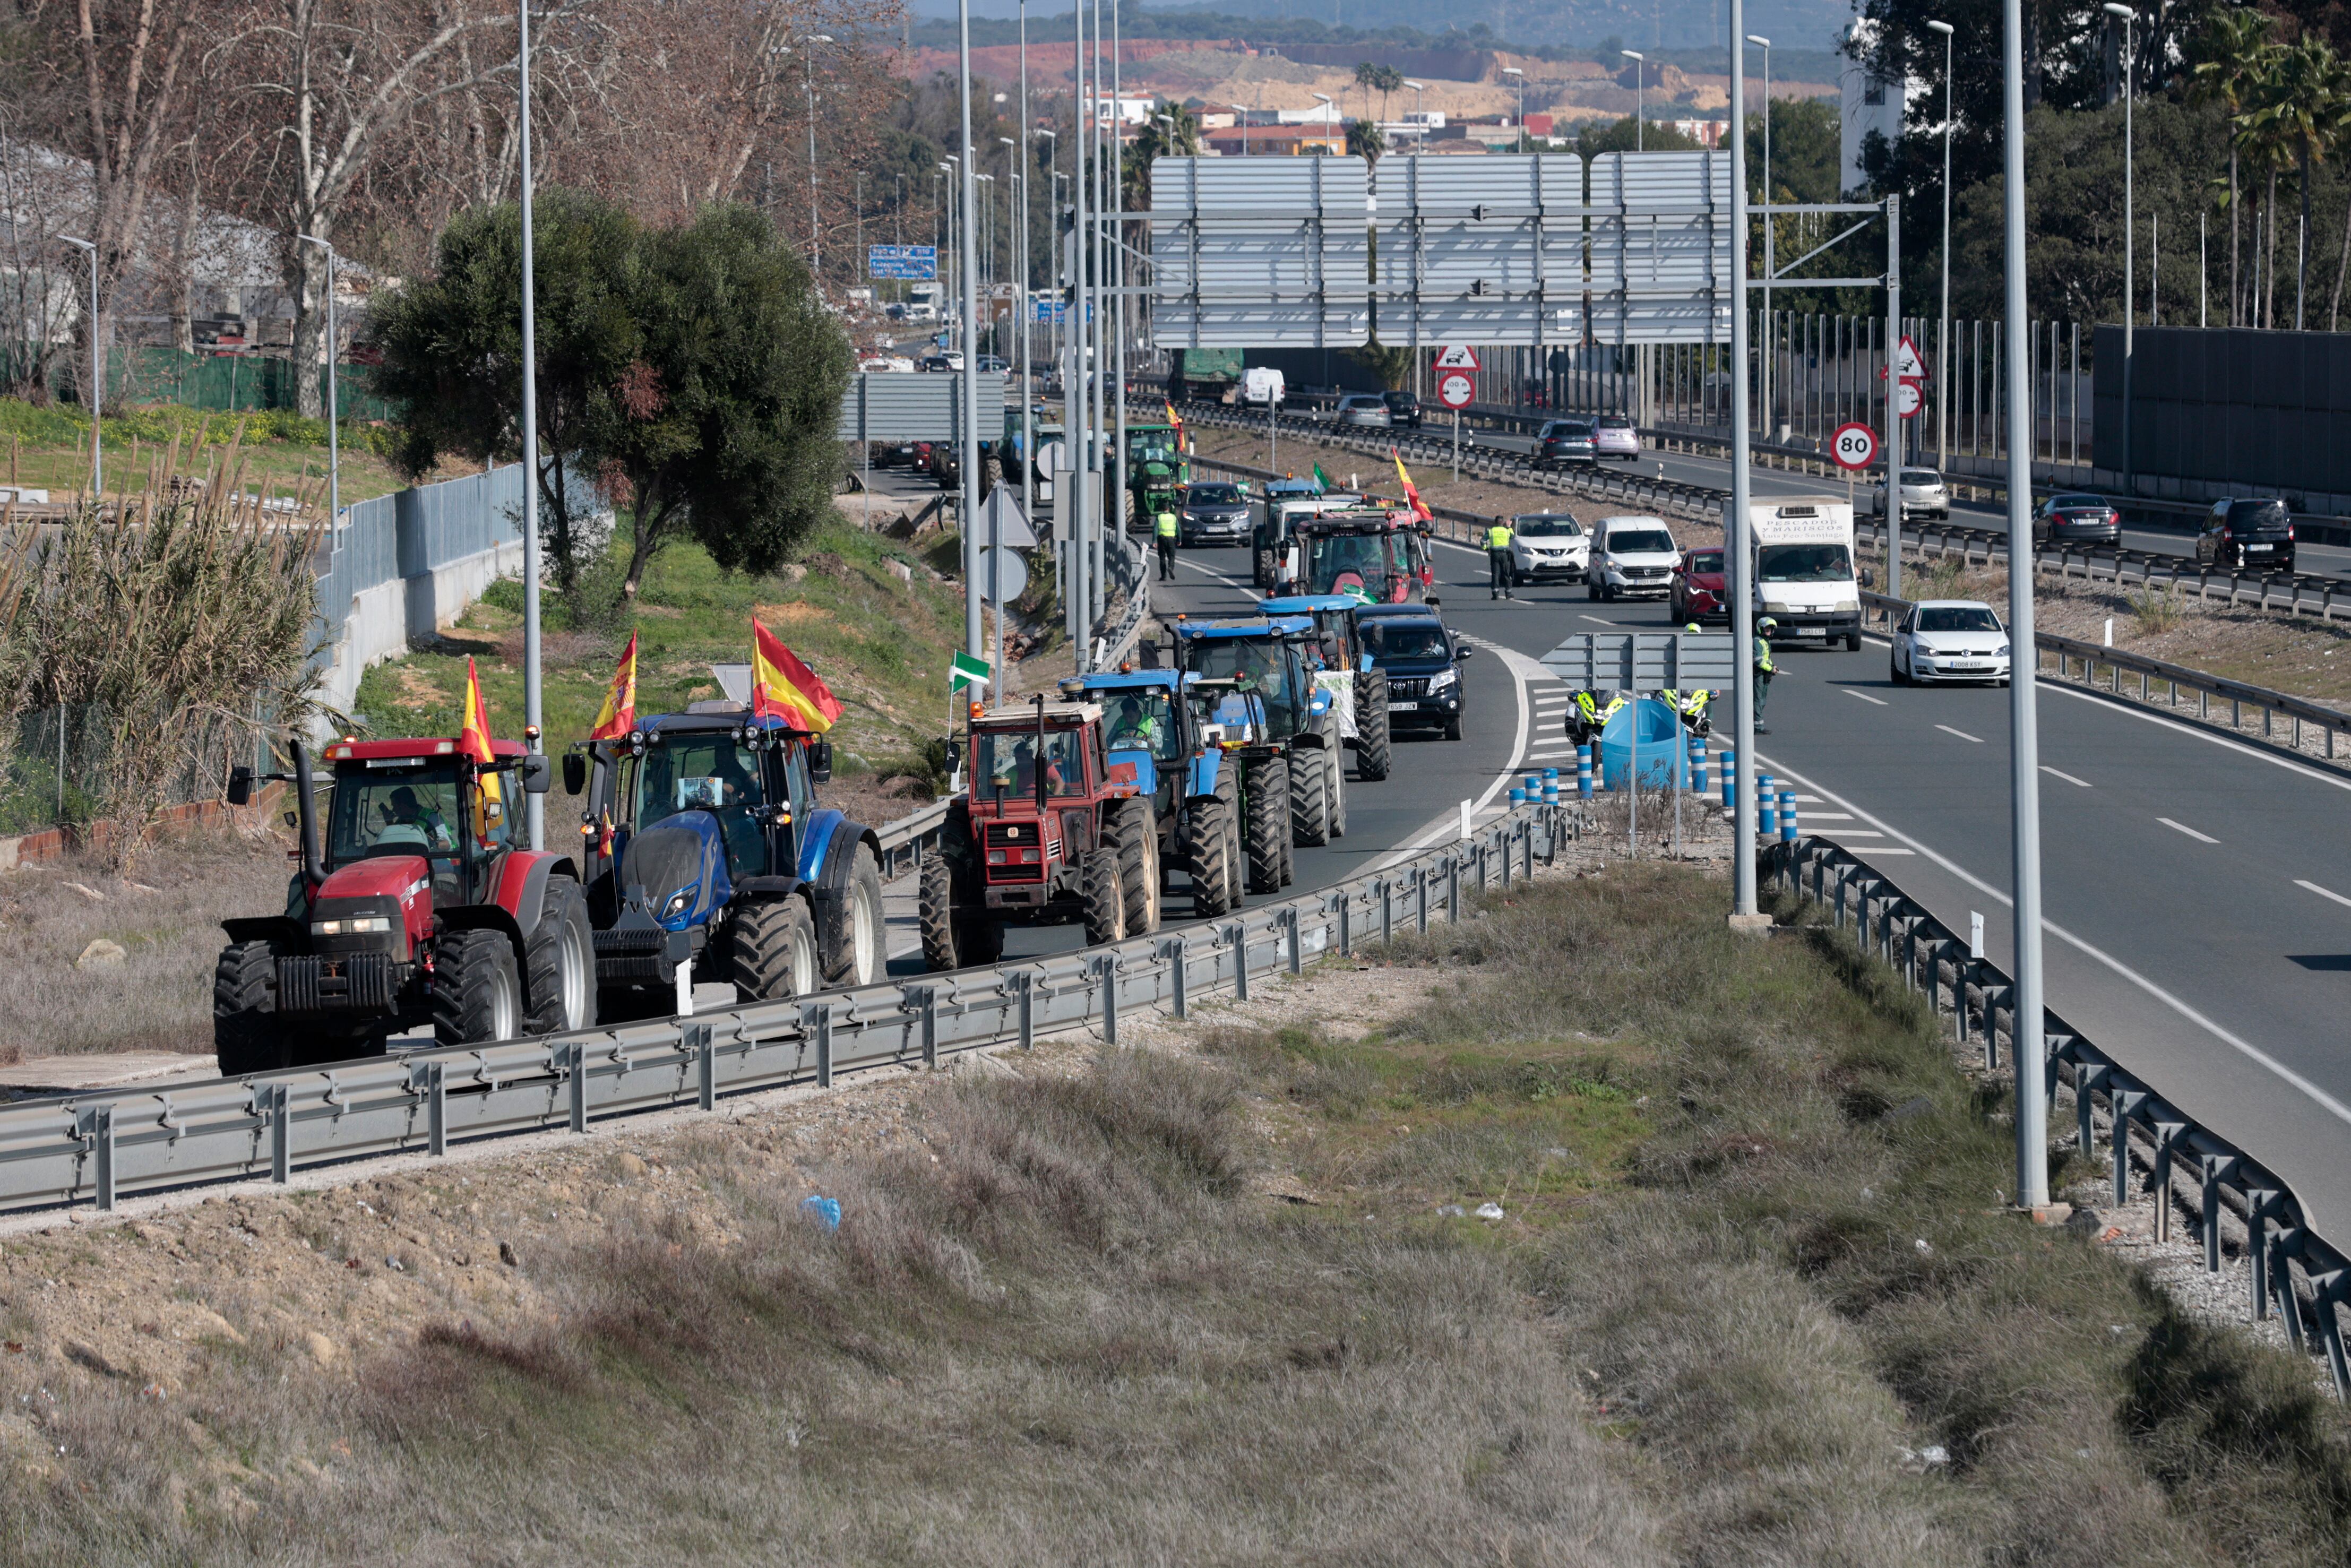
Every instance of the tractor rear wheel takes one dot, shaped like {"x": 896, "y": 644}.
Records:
{"x": 776, "y": 951}
{"x": 1266, "y": 829}
{"x": 559, "y": 962}
{"x": 1376, "y": 748}
{"x": 1310, "y": 796}
{"x": 247, "y": 1034}
{"x": 950, "y": 939}
{"x": 1134, "y": 834}
{"x": 477, "y": 994}
{"x": 1106, "y": 899}
{"x": 1207, "y": 835}
{"x": 862, "y": 957}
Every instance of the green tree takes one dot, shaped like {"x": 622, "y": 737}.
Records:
{"x": 2296, "y": 110}
{"x": 725, "y": 428}
{"x": 451, "y": 348}
{"x": 1156, "y": 140}
{"x": 1366, "y": 140}
{"x": 2229, "y": 65}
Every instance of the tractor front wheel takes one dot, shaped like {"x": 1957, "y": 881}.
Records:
{"x": 1266, "y": 829}
{"x": 247, "y": 1036}
{"x": 559, "y": 962}
{"x": 1135, "y": 835}
{"x": 1376, "y": 748}
{"x": 1310, "y": 796}
{"x": 776, "y": 951}
{"x": 477, "y": 995}
{"x": 862, "y": 956}
{"x": 1106, "y": 899}
{"x": 1207, "y": 835}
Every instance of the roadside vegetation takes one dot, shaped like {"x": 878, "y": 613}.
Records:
{"x": 47, "y": 447}
{"x": 1751, "y": 1296}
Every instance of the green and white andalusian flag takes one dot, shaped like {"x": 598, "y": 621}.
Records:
{"x": 968, "y": 670}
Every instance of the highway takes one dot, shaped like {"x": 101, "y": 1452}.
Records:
{"x": 2196, "y": 887}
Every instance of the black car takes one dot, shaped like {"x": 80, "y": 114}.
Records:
{"x": 1404, "y": 407}
{"x": 1213, "y": 514}
{"x": 2247, "y": 533}
{"x": 1421, "y": 660}
{"x": 2078, "y": 519}
{"x": 1564, "y": 441}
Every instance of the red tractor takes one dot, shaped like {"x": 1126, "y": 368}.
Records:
{"x": 1050, "y": 831}
{"x": 421, "y": 909}
{"x": 1371, "y": 556}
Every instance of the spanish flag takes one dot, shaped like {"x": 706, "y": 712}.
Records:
{"x": 782, "y": 687}
{"x": 619, "y": 714}
{"x": 1411, "y": 492}
{"x": 473, "y": 729}
{"x": 1177, "y": 420}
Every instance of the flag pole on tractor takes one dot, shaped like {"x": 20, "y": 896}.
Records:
{"x": 619, "y": 713}
{"x": 1411, "y": 491}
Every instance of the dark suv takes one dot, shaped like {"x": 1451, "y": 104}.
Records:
{"x": 1214, "y": 513}
{"x": 1564, "y": 441}
{"x": 1412, "y": 647}
{"x": 1404, "y": 407}
{"x": 2247, "y": 533}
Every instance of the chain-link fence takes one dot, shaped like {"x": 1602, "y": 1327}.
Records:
{"x": 64, "y": 765}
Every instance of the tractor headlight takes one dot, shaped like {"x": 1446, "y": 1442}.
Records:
{"x": 677, "y": 904}
{"x": 350, "y": 926}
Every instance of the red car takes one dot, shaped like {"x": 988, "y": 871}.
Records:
{"x": 1698, "y": 593}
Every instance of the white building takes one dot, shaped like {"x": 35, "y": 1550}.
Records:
{"x": 1870, "y": 103}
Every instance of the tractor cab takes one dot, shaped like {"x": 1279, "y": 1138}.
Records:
{"x": 1156, "y": 472}
{"x": 1275, "y": 658}
{"x": 1372, "y": 557}
{"x": 1334, "y": 615}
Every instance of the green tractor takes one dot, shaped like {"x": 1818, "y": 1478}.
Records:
{"x": 1156, "y": 473}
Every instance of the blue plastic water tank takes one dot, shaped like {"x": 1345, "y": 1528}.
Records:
{"x": 1664, "y": 758}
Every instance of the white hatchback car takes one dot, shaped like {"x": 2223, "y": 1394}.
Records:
{"x": 1632, "y": 557}
{"x": 1950, "y": 640}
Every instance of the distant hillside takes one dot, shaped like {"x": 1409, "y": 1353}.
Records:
{"x": 1795, "y": 26}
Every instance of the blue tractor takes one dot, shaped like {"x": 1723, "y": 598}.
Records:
{"x": 1358, "y": 690}
{"x": 706, "y": 847}
{"x": 1164, "y": 722}
{"x": 1274, "y": 660}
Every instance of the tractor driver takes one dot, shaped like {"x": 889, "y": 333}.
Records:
{"x": 406, "y": 811}
{"x": 1136, "y": 729}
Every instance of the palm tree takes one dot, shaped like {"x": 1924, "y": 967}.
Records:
{"x": 2298, "y": 113}
{"x": 1366, "y": 140}
{"x": 1154, "y": 140}
{"x": 2232, "y": 43}
{"x": 1367, "y": 77}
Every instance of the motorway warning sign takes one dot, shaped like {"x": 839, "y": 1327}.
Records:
{"x": 1853, "y": 446}
{"x": 1907, "y": 362}
{"x": 1907, "y": 399}
{"x": 1456, "y": 357}
{"x": 1455, "y": 390}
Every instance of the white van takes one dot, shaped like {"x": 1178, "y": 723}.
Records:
{"x": 1802, "y": 570}
{"x": 1261, "y": 383}
{"x": 1632, "y": 557}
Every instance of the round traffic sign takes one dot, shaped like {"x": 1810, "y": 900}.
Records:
{"x": 1853, "y": 446}
{"x": 1907, "y": 399}
{"x": 1005, "y": 574}
{"x": 1455, "y": 390}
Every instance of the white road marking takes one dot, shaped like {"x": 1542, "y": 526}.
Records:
{"x": 1826, "y": 816}
{"x": 1842, "y": 833}
{"x": 1597, "y": 622}
{"x": 2056, "y": 773}
{"x": 1962, "y": 734}
{"x": 1523, "y": 671}
{"x": 2184, "y": 828}
{"x": 2322, "y": 892}
{"x": 1864, "y": 697}
{"x": 2245, "y": 1048}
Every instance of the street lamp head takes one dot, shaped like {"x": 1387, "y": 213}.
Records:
{"x": 1942, "y": 27}
{"x": 1759, "y": 40}
{"x": 2112, "y": 9}
{"x": 1633, "y": 54}
{"x": 1415, "y": 86}
{"x": 1512, "y": 72}
{"x": 79, "y": 244}
{"x": 817, "y": 39}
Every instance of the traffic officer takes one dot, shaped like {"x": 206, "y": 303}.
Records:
{"x": 1497, "y": 558}
{"x": 1165, "y": 529}
{"x": 1763, "y": 671}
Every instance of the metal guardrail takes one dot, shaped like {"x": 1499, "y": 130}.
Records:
{"x": 2289, "y": 1268}
{"x": 905, "y": 842}
{"x": 2176, "y": 680}
{"x": 98, "y": 1146}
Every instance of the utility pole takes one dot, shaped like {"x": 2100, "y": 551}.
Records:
{"x": 1076, "y": 420}
{"x": 1894, "y": 422}
{"x": 2028, "y": 1032}
{"x": 2130, "y": 231}
{"x": 533, "y": 707}
{"x": 1117, "y": 244}
{"x": 1738, "y": 564}
{"x": 1770, "y": 360}
{"x": 969, "y": 463}
{"x": 334, "y": 403}
{"x": 808, "y": 75}
{"x": 1641, "y": 104}
{"x": 97, "y": 377}
{"x": 1943, "y": 321}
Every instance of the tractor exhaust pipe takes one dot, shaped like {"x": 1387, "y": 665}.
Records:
{"x": 306, "y": 820}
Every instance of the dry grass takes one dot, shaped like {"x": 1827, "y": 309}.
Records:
{"x": 165, "y": 916}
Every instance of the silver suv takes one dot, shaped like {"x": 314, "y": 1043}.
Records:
{"x": 1364, "y": 409}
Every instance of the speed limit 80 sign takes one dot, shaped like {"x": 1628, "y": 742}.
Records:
{"x": 1853, "y": 446}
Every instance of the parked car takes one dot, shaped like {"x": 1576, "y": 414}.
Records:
{"x": 1363, "y": 409}
{"x": 1564, "y": 441}
{"x": 2245, "y": 532}
{"x": 1949, "y": 639}
{"x": 2078, "y": 519}
{"x": 1632, "y": 557}
{"x": 1700, "y": 591}
{"x": 1213, "y": 513}
{"x": 1924, "y": 494}
{"x": 1617, "y": 437}
{"x": 1404, "y": 407}
{"x": 1420, "y": 658}
{"x": 1548, "y": 544}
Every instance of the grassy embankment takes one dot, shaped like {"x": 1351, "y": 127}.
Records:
{"x": 49, "y": 448}
{"x": 1754, "y": 1299}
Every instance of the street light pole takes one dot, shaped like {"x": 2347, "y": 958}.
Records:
{"x": 1738, "y": 563}
{"x": 334, "y": 403}
{"x": 533, "y": 707}
{"x": 2130, "y": 224}
{"x": 1641, "y": 102}
{"x": 816, "y": 244}
{"x": 1770, "y": 362}
{"x": 2027, "y": 1032}
{"x": 966, "y": 188}
{"x": 1943, "y": 322}
{"x": 1521, "y": 85}
{"x": 97, "y": 377}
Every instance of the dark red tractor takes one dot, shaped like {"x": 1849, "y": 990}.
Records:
{"x": 421, "y": 908}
